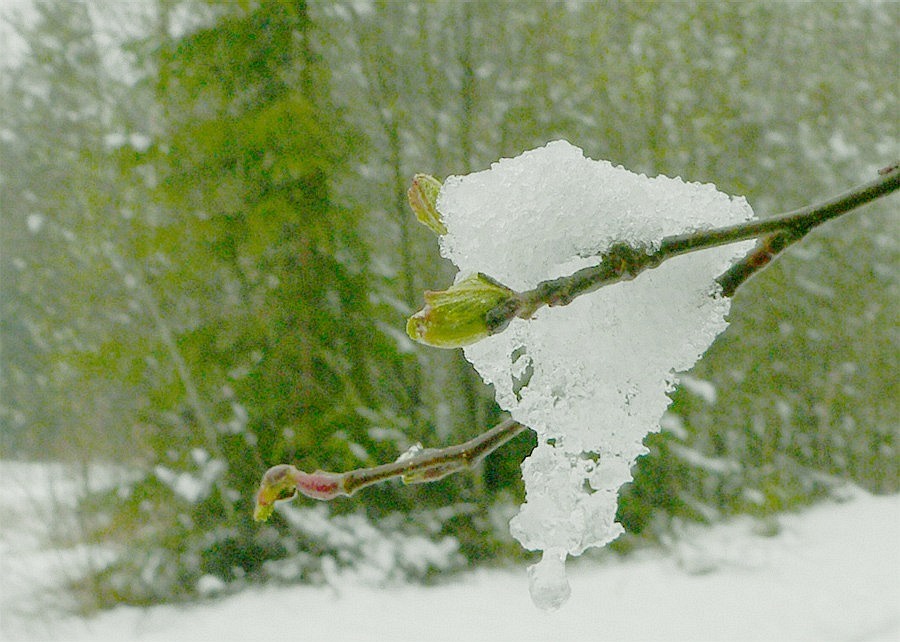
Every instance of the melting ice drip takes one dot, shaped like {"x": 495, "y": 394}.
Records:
{"x": 590, "y": 378}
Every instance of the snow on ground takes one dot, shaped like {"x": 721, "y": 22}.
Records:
{"x": 830, "y": 573}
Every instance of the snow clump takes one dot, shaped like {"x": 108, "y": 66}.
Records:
{"x": 590, "y": 378}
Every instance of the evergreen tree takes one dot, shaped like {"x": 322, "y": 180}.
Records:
{"x": 256, "y": 282}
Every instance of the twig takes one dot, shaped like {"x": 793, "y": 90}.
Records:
{"x": 620, "y": 263}
{"x": 771, "y": 245}
{"x": 624, "y": 262}
{"x": 284, "y": 481}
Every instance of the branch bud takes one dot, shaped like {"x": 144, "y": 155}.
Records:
{"x": 279, "y": 482}
{"x": 422, "y": 196}
{"x": 460, "y": 315}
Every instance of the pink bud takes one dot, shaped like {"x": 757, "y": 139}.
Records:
{"x": 320, "y": 485}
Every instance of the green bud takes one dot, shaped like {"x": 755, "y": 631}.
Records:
{"x": 279, "y": 482}
{"x": 422, "y": 196}
{"x": 462, "y": 314}
{"x": 263, "y": 512}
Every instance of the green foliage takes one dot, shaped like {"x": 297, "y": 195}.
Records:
{"x": 263, "y": 292}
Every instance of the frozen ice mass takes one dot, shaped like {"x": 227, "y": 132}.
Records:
{"x": 591, "y": 378}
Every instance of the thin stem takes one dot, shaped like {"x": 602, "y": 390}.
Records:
{"x": 284, "y": 481}
{"x": 796, "y": 223}
{"x": 433, "y": 464}
{"x": 623, "y": 262}
{"x": 759, "y": 257}
{"x": 773, "y": 244}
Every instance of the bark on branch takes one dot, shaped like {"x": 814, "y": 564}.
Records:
{"x": 624, "y": 262}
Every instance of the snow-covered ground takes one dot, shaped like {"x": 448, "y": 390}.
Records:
{"x": 831, "y": 573}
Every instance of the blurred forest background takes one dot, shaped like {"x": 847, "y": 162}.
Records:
{"x": 207, "y": 262}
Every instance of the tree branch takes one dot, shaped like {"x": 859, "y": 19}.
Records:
{"x": 624, "y": 262}
{"x": 416, "y": 467}
{"x": 770, "y": 245}
{"x": 621, "y": 262}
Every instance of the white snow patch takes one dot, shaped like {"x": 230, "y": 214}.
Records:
{"x": 192, "y": 487}
{"x": 829, "y": 573}
{"x": 34, "y": 222}
{"x": 703, "y": 389}
{"x": 603, "y": 365}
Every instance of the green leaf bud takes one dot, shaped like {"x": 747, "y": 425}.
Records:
{"x": 279, "y": 482}
{"x": 423, "y": 194}
{"x": 461, "y": 315}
